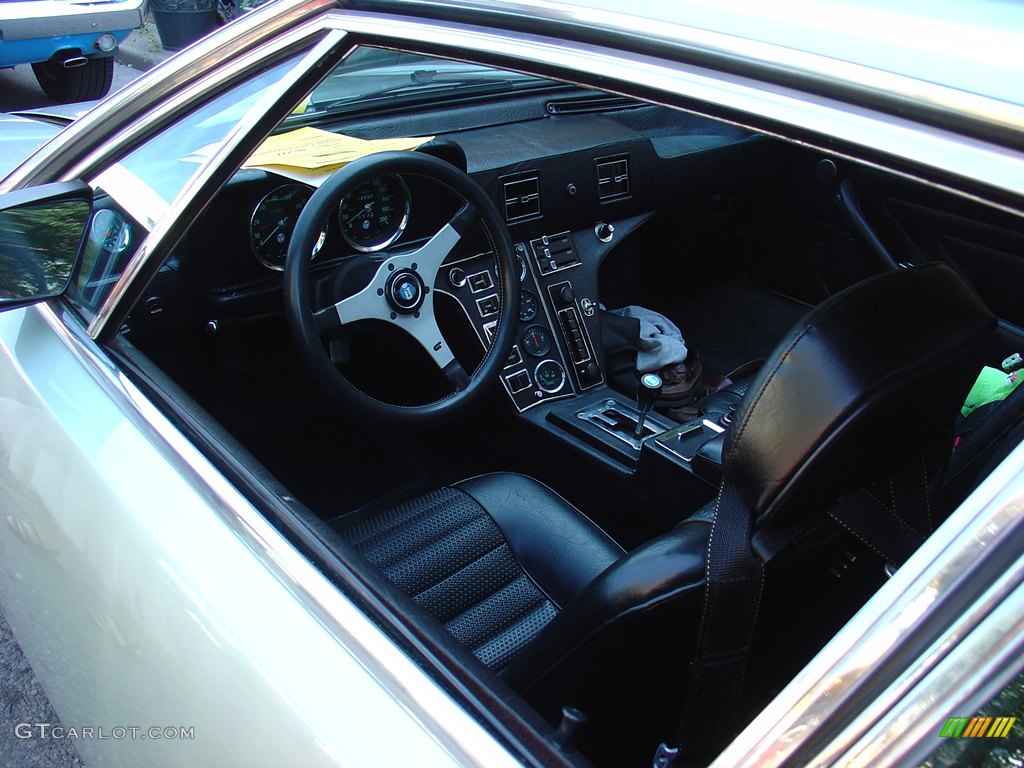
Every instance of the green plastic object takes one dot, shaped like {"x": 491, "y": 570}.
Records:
{"x": 991, "y": 385}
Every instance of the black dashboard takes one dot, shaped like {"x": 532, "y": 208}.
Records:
{"x": 573, "y": 179}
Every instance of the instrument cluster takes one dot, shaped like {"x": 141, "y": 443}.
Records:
{"x": 369, "y": 218}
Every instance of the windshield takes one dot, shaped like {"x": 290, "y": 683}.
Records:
{"x": 374, "y": 77}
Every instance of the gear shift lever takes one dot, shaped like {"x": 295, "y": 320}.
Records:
{"x": 646, "y": 395}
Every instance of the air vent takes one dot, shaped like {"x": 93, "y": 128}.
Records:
{"x": 522, "y": 198}
{"x": 590, "y": 104}
{"x": 612, "y": 177}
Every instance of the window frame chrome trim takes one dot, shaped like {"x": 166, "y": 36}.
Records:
{"x": 764, "y": 61}
{"x": 959, "y": 685}
{"x": 114, "y": 123}
{"x": 793, "y": 714}
{"x": 781, "y": 735}
{"x": 753, "y": 104}
{"x": 194, "y": 94}
{"x": 261, "y": 119}
{"x": 444, "y": 719}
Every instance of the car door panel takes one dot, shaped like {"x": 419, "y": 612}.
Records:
{"x": 119, "y": 568}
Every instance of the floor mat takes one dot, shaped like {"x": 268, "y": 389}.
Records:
{"x": 332, "y": 464}
{"x": 733, "y": 322}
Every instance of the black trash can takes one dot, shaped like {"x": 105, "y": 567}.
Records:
{"x": 181, "y": 22}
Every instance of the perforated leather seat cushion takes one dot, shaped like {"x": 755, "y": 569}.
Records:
{"x": 446, "y": 552}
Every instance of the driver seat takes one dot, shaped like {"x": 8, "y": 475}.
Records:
{"x": 547, "y": 600}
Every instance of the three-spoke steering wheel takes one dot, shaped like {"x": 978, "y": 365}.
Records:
{"x": 401, "y": 290}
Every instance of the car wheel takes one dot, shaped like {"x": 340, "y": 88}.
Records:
{"x": 90, "y": 81}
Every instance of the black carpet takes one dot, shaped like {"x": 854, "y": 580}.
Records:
{"x": 733, "y": 322}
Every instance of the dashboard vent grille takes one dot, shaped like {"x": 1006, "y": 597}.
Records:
{"x": 522, "y": 198}
{"x": 612, "y": 177}
{"x": 590, "y": 104}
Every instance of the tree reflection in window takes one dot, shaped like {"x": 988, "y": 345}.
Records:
{"x": 38, "y": 247}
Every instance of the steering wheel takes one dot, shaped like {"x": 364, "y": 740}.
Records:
{"x": 400, "y": 291}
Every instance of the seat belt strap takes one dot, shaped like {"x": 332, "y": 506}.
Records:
{"x": 733, "y": 577}
{"x": 894, "y": 515}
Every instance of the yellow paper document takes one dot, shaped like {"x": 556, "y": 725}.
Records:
{"x": 311, "y": 155}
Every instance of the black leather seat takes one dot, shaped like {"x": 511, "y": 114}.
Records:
{"x": 493, "y": 558}
{"x": 546, "y": 599}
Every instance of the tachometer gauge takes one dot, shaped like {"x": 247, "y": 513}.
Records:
{"x": 273, "y": 222}
{"x": 374, "y": 214}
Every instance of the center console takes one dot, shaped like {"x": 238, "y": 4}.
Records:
{"x": 556, "y": 375}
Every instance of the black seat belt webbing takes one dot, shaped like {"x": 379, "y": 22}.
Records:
{"x": 732, "y": 589}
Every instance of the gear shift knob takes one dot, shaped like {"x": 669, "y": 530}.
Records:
{"x": 647, "y": 394}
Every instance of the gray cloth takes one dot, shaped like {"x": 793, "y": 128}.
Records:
{"x": 661, "y": 342}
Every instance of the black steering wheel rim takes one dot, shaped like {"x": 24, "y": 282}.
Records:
{"x": 303, "y": 322}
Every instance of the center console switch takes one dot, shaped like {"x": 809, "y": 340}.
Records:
{"x": 554, "y": 252}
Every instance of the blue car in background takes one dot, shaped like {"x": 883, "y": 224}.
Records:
{"x": 70, "y": 44}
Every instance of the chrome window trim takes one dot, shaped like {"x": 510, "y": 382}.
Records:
{"x": 970, "y": 677}
{"x": 902, "y": 139}
{"x": 459, "y": 734}
{"x": 765, "y": 60}
{"x": 167, "y": 229}
{"x": 193, "y": 94}
{"x": 815, "y": 696}
{"x": 782, "y": 733}
{"x": 115, "y": 121}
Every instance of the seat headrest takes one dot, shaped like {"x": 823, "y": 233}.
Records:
{"x": 862, "y": 376}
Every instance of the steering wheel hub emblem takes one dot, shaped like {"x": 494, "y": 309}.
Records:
{"x": 405, "y": 291}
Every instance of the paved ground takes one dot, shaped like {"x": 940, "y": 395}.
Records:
{"x": 22, "y": 699}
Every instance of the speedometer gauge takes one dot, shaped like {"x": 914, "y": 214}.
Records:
{"x": 273, "y": 222}
{"x": 374, "y": 214}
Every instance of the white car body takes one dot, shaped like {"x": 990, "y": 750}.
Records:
{"x": 147, "y": 590}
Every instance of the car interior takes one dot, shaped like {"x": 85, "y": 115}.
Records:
{"x": 604, "y": 553}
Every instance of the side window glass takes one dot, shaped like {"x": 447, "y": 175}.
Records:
{"x": 135, "y": 193}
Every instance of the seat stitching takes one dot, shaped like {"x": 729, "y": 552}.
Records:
{"x": 539, "y": 602}
{"x": 891, "y": 512}
{"x": 471, "y": 563}
{"x": 402, "y": 520}
{"x": 927, "y": 499}
{"x": 860, "y": 538}
{"x": 422, "y": 545}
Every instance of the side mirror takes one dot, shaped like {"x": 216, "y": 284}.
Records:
{"x": 41, "y": 234}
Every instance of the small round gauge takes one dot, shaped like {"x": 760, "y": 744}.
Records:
{"x": 273, "y": 222}
{"x": 527, "y": 306}
{"x": 535, "y": 341}
{"x": 550, "y": 376}
{"x": 374, "y": 214}
{"x": 110, "y": 231}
